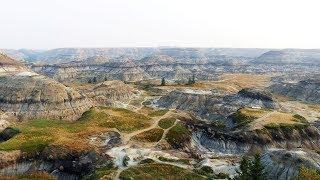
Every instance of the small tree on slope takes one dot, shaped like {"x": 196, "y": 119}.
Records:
{"x": 163, "y": 82}
{"x": 251, "y": 169}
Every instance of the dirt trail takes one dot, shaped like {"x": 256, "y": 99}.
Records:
{"x": 167, "y": 130}
{"x": 127, "y": 137}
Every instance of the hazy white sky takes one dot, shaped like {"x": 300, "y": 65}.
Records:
{"x": 199, "y": 23}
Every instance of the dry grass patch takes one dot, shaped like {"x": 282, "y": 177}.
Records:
{"x": 258, "y": 118}
{"x": 256, "y": 113}
{"x": 315, "y": 107}
{"x": 124, "y": 120}
{"x": 158, "y": 171}
{"x": 160, "y": 112}
{"x": 246, "y": 80}
{"x": 145, "y": 110}
{"x": 32, "y": 176}
{"x": 37, "y": 134}
{"x": 230, "y": 83}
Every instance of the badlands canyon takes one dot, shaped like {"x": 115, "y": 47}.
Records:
{"x": 159, "y": 113}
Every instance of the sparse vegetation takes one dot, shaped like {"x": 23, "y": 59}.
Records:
{"x": 299, "y": 118}
{"x": 160, "y": 112}
{"x": 146, "y": 110}
{"x": 209, "y": 173}
{"x": 158, "y": 171}
{"x": 285, "y": 127}
{"x": 204, "y": 170}
{"x": 268, "y": 119}
{"x": 241, "y": 119}
{"x": 102, "y": 172}
{"x": 122, "y": 119}
{"x": 166, "y": 123}
{"x": 38, "y": 134}
{"x": 147, "y": 86}
{"x": 153, "y": 135}
{"x": 178, "y": 135}
{"x": 183, "y": 161}
{"x": 308, "y": 174}
{"x": 30, "y": 176}
{"x": 146, "y": 161}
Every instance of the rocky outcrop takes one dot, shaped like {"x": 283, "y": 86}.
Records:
{"x": 290, "y": 56}
{"x": 208, "y": 106}
{"x": 8, "y": 133}
{"x": 135, "y": 64}
{"x": 111, "y": 92}
{"x": 79, "y": 54}
{"x": 69, "y": 166}
{"x": 285, "y": 165}
{"x": 28, "y": 95}
{"x": 306, "y": 90}
{"x": 252, "y": 98}
{"x": 217, "y": 140}
{"x": 8, "y": 65}
{"x": 123, "y": 69}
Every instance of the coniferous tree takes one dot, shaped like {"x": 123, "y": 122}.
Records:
{"x": 163, "y": 82}
{"x": 193, "y": 79}
{"x": 251, "y": 169}
{"x": 94, "y": 79}
{"x": 257, "y": 170}
{"x": 244, "y": 172}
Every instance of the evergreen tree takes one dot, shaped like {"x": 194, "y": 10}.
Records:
{"x": 163, "y": 82}
{"x": 193, "y": 79}
{"x": 94, "y": 79}
{"x": 257, "y": 169}
{"x": 244, "y": 172}
{"x": 251, "y": 169}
